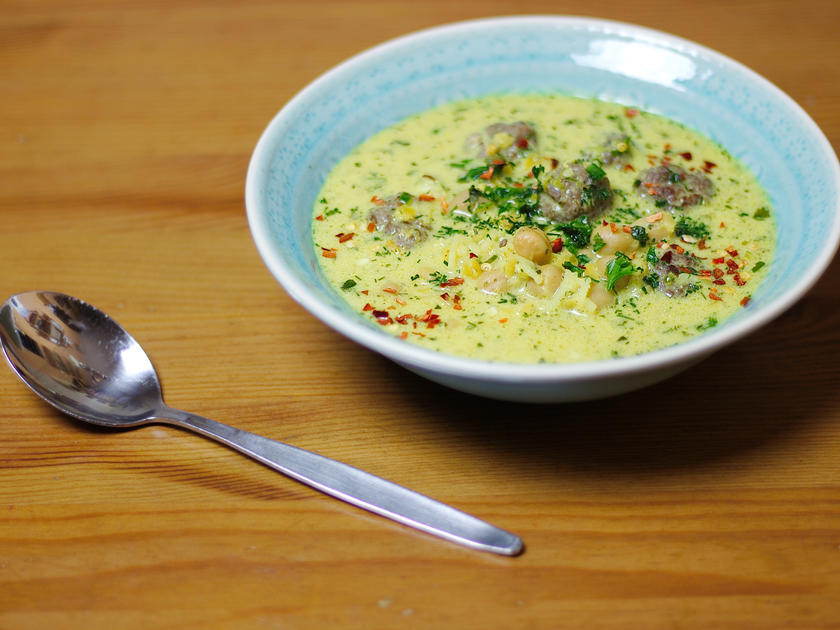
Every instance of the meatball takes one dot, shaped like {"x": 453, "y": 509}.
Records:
{"x": 673, "y": 186}
{"x": 574, "y": 190}
{"x": 663, "y": 273}
{"x": 509, "y": 141}
{"x": 406, "y": 234}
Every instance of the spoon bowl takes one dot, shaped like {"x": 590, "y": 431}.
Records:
{"x": 85, "y": 364}
{"x": 78, "y": 359}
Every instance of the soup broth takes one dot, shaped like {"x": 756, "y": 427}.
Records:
{"x": 542, "y": 228}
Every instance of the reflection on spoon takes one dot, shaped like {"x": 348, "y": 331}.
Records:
{"x": 81, "y": 361}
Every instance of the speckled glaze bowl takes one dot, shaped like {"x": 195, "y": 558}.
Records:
{"x": 611, "y": 61}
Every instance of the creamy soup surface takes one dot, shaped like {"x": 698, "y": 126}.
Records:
{"x": 543, "y": 228}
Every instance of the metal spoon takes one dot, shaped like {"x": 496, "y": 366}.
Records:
{"x": 81, "y": 361}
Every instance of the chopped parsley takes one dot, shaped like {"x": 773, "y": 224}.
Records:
{"x": 691, "y": 227}
{"x": 617, "y": 268}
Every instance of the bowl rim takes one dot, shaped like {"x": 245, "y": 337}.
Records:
{"x": 413, "y": 356}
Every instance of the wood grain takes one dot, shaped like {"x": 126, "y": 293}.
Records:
{"x": 708, "y": 501}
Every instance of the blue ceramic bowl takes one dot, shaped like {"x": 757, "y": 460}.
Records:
{"x": 611, "y": 61}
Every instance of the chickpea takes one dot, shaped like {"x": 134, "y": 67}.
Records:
{"x": 660, "y": 229}
{"x": 533, "y": 244}
{"x": 600, "y": 296}
{"x": 618, "y": 241}
{"x": 552, "y": 276}
{"x": 493, "y": 281}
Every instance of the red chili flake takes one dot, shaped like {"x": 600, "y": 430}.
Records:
{"x": 444, "y": 296}
{"x": 718, "y": 273}
{"x": 487, "y": 174}
{"x": 403, "y": 319}
{"x": 631, "y": 112}
{"x": 425, "y": 198}
{"x": 456, "y": 303}
{"x": 371, "y": 227}
{"x": 503, "y": 320}
{"x": 613, "y": 228}
{"x": 745, "y": 301}
{"x": 383, "y": 317}
{"x": 554, "y": 162}
{"x": 498, "y": 162}
{"x": 365, "y": 291}
{"x": 320, "y": 217}
{"x": 719, "y": 281}
{"x": 708, "y": 166}
{"x": 557, "y": 245}
{"x": 627, "y": 229}
{"x": 378, "y": 201}
{"x": 403, "y": 335}
{"x": 722, "y": 224}
{"x": 346, "y": 237}
{"x": 390, "y": 290}
{"x": 519, "y": 184}
{"x": 714, "y": 296}
{"x": 686, "y": 155}
{"x": 732, "y": 251}
{"x": 522, "y": 143}
{"x": 419, "y": 334}
{"x": 686, "y": 270}
{"x": 328, "y": 253}
{"x": 701, "y": 244}
{"x": 718, "y": 261}
{"x": 739, "y": 280}
{"x": 431, "y": 319}
{"x": 473, "y": 255}
{"x": 679, "y": 249}
{"x": 452, "y": 282}
{"x": 706, "y": 273}
{"x": 629, "y": 167}
{"x": 732, "y": 266}
{"x": 367, "y": 307}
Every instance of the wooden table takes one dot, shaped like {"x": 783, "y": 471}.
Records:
{"x": 709, "y": 501}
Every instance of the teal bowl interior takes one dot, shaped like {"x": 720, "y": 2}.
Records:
{"x": 611, "y": 61}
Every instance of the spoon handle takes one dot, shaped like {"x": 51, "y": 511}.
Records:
{"x": 355, "y": 486}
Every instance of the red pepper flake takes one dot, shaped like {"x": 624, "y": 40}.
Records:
{"x": 718, "y": 273}
{"x": 554, "y": 162}
{"x": 522, "y": 143}
{"x": 320, "y": 217}
{"x": 452, "y": 282}
{"x": 371, "y": 227}
{"x": 631, "y": 112}
{"x": 444, "y": 206}
{"x": 613, "y": 228}
{"x": 718, "y": 261}
{"x": 403, "y": 319}
{"x": 403, "y": 335}
{"x": 745, "y": 301}
{"x": 701, "y": 244}
{"x": 473, "y": 255}
{"x": 456, "y": 303}
{"x": 425, "y": 198}
{"x": 487, "y": 174}
{"x": 732, "y": 251}
{"x": 557, "y": 245}
{"x": 714, "y": 296}
{"x": 419, "y": 334}
{"x": 328, "y": 253}
{"x": 722, "y": 224}
{"x": 400, "y": 301}
{"x": 627, "y": 229}
{"x": 706, "y": 273}
{"x": 519, "y": 184}
{"x": 739, "y": 280}
{"x": 719, "y": 281}
{"x": 686, "y": 155}
{"x": 629, "y": 167}
{"x": 503, "y": 320}
{"x": 679, "y": 249}
{"x": 343, "y": 238}
{"x": 431, "y": 319}
{"x": 383, "y": 317}
{"x": 365, "y": 291}
{"x": 378, "y": 201}
{"x": 390, "y": 290}
{"x": 708, "y": 166}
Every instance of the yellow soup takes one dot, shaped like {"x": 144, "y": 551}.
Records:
{"x": 543, "y": 228}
